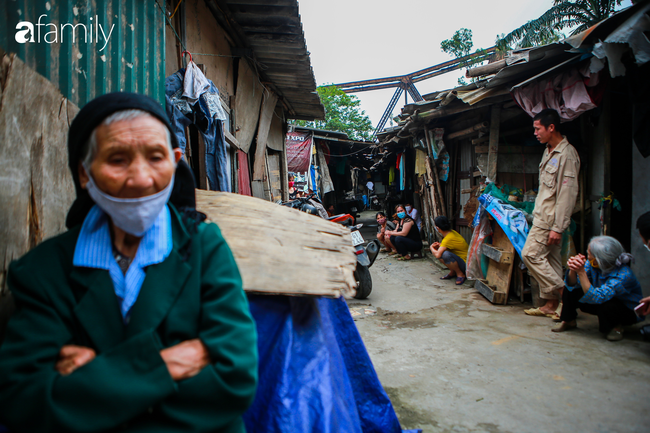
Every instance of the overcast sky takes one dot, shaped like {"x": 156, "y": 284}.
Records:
{"x": 351, "y": 40}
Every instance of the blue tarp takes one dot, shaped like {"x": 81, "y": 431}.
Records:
{"x": 512, "y": 220}
{"x": 315, "y": 374}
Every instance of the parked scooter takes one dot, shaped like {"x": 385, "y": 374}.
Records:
{"x": 366, "y": 255}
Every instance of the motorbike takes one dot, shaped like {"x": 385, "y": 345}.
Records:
{"x": 366, "y": 252}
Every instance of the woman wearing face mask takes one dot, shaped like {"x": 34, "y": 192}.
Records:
{"x": 134, "y": 318}
{"x": 602, "y": 284}
{"x": 405, "y": 238}
{"x": 382, "y": 225}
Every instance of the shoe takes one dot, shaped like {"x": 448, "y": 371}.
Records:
{"x": 449, "y": 276}
{"x": 538, "y": 312}
{"x": 615, "y": 335}
{"x": 460, "y": 280}
{"x": 565, "y": 326}
{"x": 556, "y": 318}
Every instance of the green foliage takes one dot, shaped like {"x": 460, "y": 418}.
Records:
{"x": 342, "y": 113}
{"x": 460, "y": 45}
{"x": 577, "y": 14}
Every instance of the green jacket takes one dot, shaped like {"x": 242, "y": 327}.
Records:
{"x": 127, "y": 387}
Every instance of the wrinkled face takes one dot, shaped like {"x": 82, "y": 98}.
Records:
{"x": 543, "y": 133}
{"x": 133, "y": 158}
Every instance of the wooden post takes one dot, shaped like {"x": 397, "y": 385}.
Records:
{"x": 266, "y": 115}
{"x": 431, "y": 167}
{"x": 494, "y": 142}
{"x": 607, "y": 169}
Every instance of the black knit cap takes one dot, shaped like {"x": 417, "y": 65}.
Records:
{"x": 90, "y": 117}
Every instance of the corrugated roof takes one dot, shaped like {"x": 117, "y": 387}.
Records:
{"x": 272, "y": 30}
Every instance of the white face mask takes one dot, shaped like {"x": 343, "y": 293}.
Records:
{"x": 408, "y": 208}
{"x": 133, "y": 215}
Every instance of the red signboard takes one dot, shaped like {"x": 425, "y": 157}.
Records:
{"x": 298, "y": 151}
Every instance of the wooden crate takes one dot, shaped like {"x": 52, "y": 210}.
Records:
{"x": 496, "y": 286}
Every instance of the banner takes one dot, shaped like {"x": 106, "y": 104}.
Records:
{"x": 298, "y": 151}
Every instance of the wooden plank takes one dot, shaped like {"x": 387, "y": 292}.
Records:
{"x": 231, "y": 139}
{"x": 496, "y": 254}
{"x": 482, "y": 149}
{"x": 266, "y": 115}
{"x": 305, "y": 255}
{"x": 482, "y": 126}
{"x": 490, "y": 292}
{"x": 36, "y": 188}
{"x": 273, "y": 161}
{"x": 248, "y": 98}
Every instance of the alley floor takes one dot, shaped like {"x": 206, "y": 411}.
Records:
{"x": 452, "y": 362}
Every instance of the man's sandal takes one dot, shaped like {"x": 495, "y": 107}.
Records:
{"x": 449, "y": 276}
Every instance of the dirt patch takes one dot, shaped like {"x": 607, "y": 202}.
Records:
{"x": 409, "y": 417}
{"x": 395, "y": 320}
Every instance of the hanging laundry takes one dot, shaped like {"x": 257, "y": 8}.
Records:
{"x": 206, "y": 113}
{"x": 443, "y": 166}
{"x": 194, "y": 83}
{"x": 402, "y": 172}
{"x": 420, "y": 162}
{"x": 391, "y": 175}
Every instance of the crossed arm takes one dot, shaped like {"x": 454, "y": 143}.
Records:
{"x": 183, "y": 360}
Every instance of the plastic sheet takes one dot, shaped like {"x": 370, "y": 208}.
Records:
{"x": 512, "y": 220}
{"x": 315, "y": 374}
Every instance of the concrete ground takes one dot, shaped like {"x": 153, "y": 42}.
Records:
{"x": 453, "y": 362}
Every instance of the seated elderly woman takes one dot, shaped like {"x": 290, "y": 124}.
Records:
{"x": 382, "y": 225}
{"x": 452, "y": 251}
{"x": 135, "y": 318}
{"x": 602, "y": 284}
{"x": 405, "y": 238}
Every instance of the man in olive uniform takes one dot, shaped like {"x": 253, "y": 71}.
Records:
{"x": 558, "y": 191}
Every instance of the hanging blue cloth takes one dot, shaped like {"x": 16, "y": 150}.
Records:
{"x": 314, "y": 185}
{"x": 402, "y": 172}
{"x": 314, "y": 372}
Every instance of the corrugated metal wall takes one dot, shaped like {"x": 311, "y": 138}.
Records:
{"x": 132, "y": 60}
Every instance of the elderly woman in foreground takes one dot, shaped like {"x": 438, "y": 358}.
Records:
{"x": 135, "y": 318}
{"x": 601, "y": 284}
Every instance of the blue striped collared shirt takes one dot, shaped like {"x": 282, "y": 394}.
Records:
{"x": 94, "y": 249}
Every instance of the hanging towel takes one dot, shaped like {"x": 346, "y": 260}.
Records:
{"x": 194, "y": 83}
